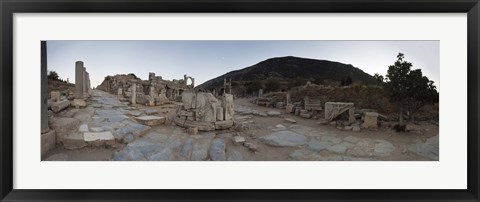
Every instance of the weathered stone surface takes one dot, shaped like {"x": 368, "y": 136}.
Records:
{"x": 290, "y": 108}
{"x": 351, "y": 139}
{"x": 220, "y": 114}
{"x": 370, "y": 120}
{"x": 274, "y": 113}
{"x": 99, "y": 138}
{"x": 79, "y": 103}
{"x": 284, "y": 139}
{"x": 428, "y": 149}
{"x": 333, "y": 109}
{"x": 217, "y": 150}
{"x": 228, "y": 106}
{"x": 356, "y": 128}
{"x": 134, "y": 94}
{"x": 383, "y": 148}
{"x": 222, "y": 125}
{"x": 132, "y": 128}
{"x": 234, "y": 156}
{"x": 73, "y": 141}
{"x": 189, "y": 100}
{"x": 151, "y": 111}
{"x": 83, "y": 128}
{"x": 193, "y": 130}
{"x": 316, "y": 145}
{"x": 186, "y": 150}
{"x": 200, "y": 149}
{"x": 202, "y": 126}
{"x": 55, "y": 96}
{"x": 150, "y": 120}
{"x": 338, "y": 148}
{"x": 97, "y": 129}
{"x": 63, "y": 126}
{"x": 135, "y": 113}
{"x": 289, "y": 120}
{"x": 48, "y": 142}
{"x": 238, "y": 140}
{"x": 60, "y": 105}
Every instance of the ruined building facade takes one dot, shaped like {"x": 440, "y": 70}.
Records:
{"x": 154, "y": 91}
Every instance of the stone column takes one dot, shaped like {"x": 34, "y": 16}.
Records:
{"x": 44, "y": 88}
{"x": 79, "y": 79}
{"x": 134, "y": 93}
{"x": 288, "y": 99}
{"x": 260, "y": 92}
{"x": 85, "y": 91}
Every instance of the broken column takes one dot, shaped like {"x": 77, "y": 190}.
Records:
{"x": 79, "y": 70}
{"x": 260, "y": 92}
{"x": 288, "y": 99}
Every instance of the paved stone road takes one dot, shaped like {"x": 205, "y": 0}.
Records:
{"x": 169, "y": 142}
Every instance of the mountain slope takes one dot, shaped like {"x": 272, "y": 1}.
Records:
{"x": 293, "y": 68}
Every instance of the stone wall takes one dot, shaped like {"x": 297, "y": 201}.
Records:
{"x": 154, "y": 91}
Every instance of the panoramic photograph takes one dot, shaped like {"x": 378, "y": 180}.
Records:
{"x": 239, "y": 100}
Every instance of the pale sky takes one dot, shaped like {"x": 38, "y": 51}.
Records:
{"x": 204, "y": 60}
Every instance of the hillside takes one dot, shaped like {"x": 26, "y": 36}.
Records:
{"x": 290, "y": 72}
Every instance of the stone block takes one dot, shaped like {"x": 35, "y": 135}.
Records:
{"x": 60, "y": 105}
{"x": 370, "y": 120}
{"x": 238, "y": 140}
{"x": 99, "y": 138}
{"x": 55, "y": 96}
{"x": 79, "y": 103}
{"x": 193, "y": 130}
{"x": 222, "y": 125}
{"x": 151, "y": 111}
{"x": 289, "y": 120}
{"x": 150, "y": 120}
{"x": 290, "y": 108}
{"x": 48, "y": 142}
{"x": 73, "y": 141}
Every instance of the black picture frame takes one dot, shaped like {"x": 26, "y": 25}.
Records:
{"x": 10, "y": 7}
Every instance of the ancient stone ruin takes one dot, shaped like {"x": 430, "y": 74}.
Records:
{"x": 152, "y": 92}
{"x": 204, "y": 112}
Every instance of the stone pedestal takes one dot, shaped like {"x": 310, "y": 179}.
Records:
{"x": 79, "y": 70}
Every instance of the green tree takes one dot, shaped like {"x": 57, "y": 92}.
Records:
{"x": 379, "y": 78}
{"x": 407, "y": 88}
{"x": 52, "y": 75}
